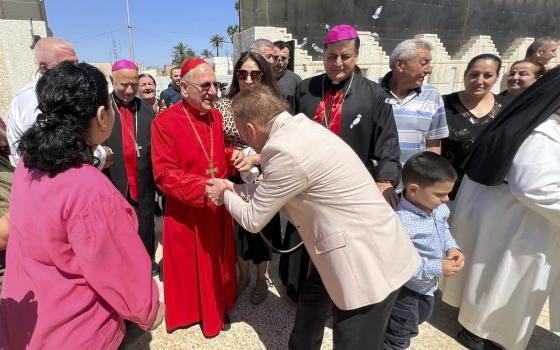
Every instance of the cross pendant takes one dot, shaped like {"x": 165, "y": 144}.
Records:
{"x": 211, "y": 171}
{"x": 138, "y": 148}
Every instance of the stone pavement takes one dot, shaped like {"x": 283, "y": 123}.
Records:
{"x": 268, "y": 326}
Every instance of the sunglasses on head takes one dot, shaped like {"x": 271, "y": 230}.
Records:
{"x": 244, "y": 74}
{"x": 207, "y": 85}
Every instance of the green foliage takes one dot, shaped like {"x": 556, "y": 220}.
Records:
{"x": 182, "y": 52}
{"x": 217, "y": 41}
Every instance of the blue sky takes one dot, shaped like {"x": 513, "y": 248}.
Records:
{"x": 157, "y": 26}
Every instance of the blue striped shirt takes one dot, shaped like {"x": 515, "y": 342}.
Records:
{"x": 429, "y": 232}
{"x": 419, "y": 117}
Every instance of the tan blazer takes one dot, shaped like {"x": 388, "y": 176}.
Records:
{"x": 353, "y": 237}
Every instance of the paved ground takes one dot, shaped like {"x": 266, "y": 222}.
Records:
{"x": 267, "y": 326}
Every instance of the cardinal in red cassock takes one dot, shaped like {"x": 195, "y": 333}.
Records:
{"x": 199, "y": 279}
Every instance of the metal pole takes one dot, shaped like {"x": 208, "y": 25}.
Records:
{"x": 130, "y": 46}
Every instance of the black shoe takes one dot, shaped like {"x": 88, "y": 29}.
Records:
{"x": 469, "y": 340}
{"x": 155, "y": 269}
{"x": 227, "y": 324}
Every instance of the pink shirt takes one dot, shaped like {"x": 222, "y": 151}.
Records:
{"x": 76, "y": 266}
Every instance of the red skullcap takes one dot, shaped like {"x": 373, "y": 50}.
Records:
{"x": 190, "y": 64}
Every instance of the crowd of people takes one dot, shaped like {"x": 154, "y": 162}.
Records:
{"x": 394, "y": 191}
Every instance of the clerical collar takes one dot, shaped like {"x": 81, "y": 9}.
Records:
{"x": 336, "y": 87}
{"x": 120, "y": 103}
{"x": 195, "y": 112}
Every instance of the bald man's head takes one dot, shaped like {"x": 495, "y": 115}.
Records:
{"x": 51, "y": 51}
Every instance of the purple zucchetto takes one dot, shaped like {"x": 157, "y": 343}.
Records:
{"x": 339, "y": 33}
{"x": 123, "y": 64}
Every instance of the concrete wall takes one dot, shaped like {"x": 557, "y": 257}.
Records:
{"x": 17, "y": 64}
{"x": 448, "y": 70}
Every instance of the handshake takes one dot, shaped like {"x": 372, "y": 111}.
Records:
{"x": 215, "y": 189}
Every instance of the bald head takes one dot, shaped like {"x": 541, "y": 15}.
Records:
{"x": 125, "y": 84}
{"x": 51, "y": 51}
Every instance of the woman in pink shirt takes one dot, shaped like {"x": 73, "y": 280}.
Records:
{"x": 76, "y": 268}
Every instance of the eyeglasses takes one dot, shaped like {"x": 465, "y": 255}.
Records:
{"x": 207, "y": 85}
{"x": 244, "y": 74}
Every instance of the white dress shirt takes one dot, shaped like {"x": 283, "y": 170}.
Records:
{"x": 22, "y": 114}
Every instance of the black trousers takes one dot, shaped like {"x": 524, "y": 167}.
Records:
{"x": 361, "y": 328}
{"x": 146, "y": 226}
{"x": 410, "y": 310}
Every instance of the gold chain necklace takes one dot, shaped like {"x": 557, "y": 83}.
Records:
{"x": 326, "y": 120}
{"x": 211, "y": 169}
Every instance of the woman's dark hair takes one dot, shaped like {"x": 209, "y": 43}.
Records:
{"x": 267, "y": 78}
{"x": 485, "y": 56}
{"x": 68, "y": 98}
{"x": 146, "y": 75}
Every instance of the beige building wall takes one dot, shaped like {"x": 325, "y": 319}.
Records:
{"x": 17, "y": 65}
{"x": 448, "y": 70}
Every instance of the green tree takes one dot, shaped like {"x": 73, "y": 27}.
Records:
{"x": 237, "y": 8}
{"x": 217, "y": 41}
{"x": 231, "y": 30}
{"x": 182, "y": 52}
{"x": 206, "y": 53}
{"x": 191, "y": 54}
{"x": 179, "y": 54}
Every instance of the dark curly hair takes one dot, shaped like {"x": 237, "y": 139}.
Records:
{"x": 267, "y": 78}
{"x": 68, "y": 98}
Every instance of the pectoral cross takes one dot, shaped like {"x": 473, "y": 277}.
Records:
{"x": 138, "y": 148}
{"x": 211, "y": 171}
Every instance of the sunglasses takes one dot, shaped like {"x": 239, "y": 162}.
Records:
{"x": 244, "y": 74}
{"x": 207, "y": 85}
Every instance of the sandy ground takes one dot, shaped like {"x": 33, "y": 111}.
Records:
{"x": 268, "y": 325}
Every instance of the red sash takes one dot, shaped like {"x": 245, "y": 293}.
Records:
{"x": 331, "y": 118}
{"x": 129, "y": 149}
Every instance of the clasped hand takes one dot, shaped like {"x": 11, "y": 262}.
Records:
{"x": 453, "y": 263}
{"x": 215, "y": 189}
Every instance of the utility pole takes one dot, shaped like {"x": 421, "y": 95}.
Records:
{"x": 114, "y": 46}
{"x": 130, "y": 46}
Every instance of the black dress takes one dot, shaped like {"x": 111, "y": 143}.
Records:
{"x": 464, "y": 128}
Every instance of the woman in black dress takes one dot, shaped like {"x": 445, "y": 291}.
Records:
{"x": 471, "y": 110}
{"x": 251, "y": 68}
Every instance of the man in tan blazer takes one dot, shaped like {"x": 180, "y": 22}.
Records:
{"x": 357, "y": 246}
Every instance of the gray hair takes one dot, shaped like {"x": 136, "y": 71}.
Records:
{"x": 258, "y": 44}
{"x": 406, "y": 50}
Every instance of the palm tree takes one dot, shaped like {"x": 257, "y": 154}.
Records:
{"x": 179, "y": 54}
{"x": 190, "y": 54}
{"x": 237, "y": 8}
{"x": 182, "y": 52}
{"x": 206, "y": 53}
{"x": 217, "y": 41}
{"x": 231, "y": 30}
